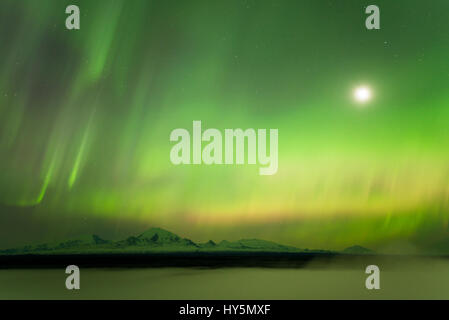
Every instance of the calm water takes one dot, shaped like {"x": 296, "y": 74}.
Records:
{"x": 420, "y": 279}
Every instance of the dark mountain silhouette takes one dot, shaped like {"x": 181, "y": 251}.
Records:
{"x": 358, "y": 250}
{"x": 208, "y": 244}
{"x": 157, "y": 237}
{"x": 255, "y": 244}
{"x": 156, "y": 240}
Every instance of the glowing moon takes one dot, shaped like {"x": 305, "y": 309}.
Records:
{"x": 362, "y": 94}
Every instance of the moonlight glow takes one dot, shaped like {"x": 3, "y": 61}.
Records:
{"x": 362, "y": 94}
{"x": 362, "y": 116}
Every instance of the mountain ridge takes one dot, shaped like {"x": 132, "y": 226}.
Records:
{"x": 158, "y": 240}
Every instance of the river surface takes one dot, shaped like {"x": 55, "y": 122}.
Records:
{"x": 417, "y": 279}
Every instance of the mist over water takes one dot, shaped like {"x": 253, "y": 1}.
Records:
{"x": 415, "y": 278}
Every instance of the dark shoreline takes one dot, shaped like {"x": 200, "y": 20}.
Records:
{"x": 202, "y": 260}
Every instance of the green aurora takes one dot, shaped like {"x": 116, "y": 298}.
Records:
{"x": 86, "y": 115}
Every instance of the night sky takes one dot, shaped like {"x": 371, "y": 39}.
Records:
{"x": 86, "y": 115}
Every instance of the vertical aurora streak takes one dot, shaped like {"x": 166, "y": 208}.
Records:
{"x": 85, "y": 118}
